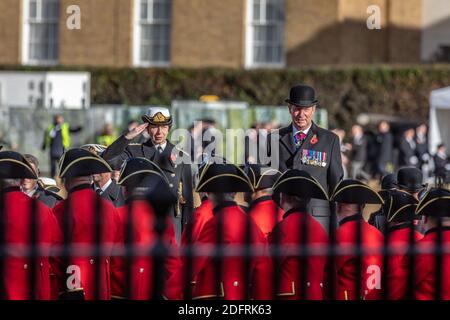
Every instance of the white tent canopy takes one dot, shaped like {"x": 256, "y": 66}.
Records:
{"x": 439, "y": 118}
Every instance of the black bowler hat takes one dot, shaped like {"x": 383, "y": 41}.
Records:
{"x": 302, "y": 96}
{"x": 79, "y": 162}
{"x": 355, "y": 192}
{"x": 13, "y": 165}
{"x": 299, "y": 183}
{"x": 436, "y": 203}
{"x": 410, "y": 179}
{"x": 220, "y": 178}
{"x": 400, "y": 206}
{"x": 388, "y": 183}
{"x": 262, "y": 176}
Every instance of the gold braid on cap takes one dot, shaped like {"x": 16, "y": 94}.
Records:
{"x": 160, "y": 118}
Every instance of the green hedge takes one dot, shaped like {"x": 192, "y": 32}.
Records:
{"x": 345, "y": 92}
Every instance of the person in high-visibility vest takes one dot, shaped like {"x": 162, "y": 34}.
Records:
{"x": 57, "y": 140}
{"x": 108, "y": 136}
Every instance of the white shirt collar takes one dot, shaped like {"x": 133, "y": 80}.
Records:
{"x": 295, "y": 131}
{"x": 106, "y": 185}
{"x": 162, "y": 145}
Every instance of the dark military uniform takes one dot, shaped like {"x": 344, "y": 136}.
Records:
{"x": 47, "y": 197}
{"x": 113, "y": 194}
{"x": 320, "y": 156}
{"x": 179, "y": 176}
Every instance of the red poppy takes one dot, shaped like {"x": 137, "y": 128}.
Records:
{"x": 173, "y": 157}
{"x": 314, "y": 140}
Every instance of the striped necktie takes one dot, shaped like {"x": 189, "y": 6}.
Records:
{"x": 299, "y": 138}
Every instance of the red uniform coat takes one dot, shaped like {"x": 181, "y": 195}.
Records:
{"x": 82, "y": 234}
{"x": 144, "y": 236}
{"x": 372, "y": 262}
{"x": 398, "y": 240}
{"x": 266, "y": 214}
{"x": 288, "y": 236}
{"x": 18, "y": 223}
{"x": 200, "y": 217}
{"x": 424, "y": 270}
{"x": 232, "y": 284}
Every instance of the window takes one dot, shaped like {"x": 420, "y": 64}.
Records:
{"x": 265, "y": 22}
{"x": 152, "y": 32}
{"x": 40, "y": 32}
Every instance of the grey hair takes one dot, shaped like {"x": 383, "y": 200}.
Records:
{"x": 6, "y": 183}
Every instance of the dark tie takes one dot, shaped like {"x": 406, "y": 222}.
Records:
{"x": 160, "y": 149}
{"x": 99, "y": 191}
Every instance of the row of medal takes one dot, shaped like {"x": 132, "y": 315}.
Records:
{"x": 314, "y": 158}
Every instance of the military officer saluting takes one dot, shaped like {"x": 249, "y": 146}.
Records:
{"x": 305, "y": 146}
{"x": 158, "y": 122}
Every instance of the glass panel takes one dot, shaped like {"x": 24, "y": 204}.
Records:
{"x": 271, "y": 33}
{"x": 156, "y": 33}
{"x": 146, "y": 32}
{"x": 168, "y": 9}
{"x": 33, "y": 9}
{"x": 257, "y": 54}
{"x": 158, "y": 10}
{"x": 256, "y": 10}
{"x": 145, "y": 53}
{"x": 269, "y": 54}
{"x": 155, "y": 53}
{"x": 165, "y": 53}
{"x": 144, "y": 8}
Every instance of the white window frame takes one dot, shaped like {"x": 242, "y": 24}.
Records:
{"x": 249, "y": 32}
{"x": 137, "y": 61}
{"x": 26, "y": 38}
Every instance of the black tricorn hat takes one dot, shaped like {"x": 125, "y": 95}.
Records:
{"x": 400, "y": 206}
{"x": 355, "y": 192}
{"x": 302, "y": 96}
{"x": 262, "y": 176}
{"x": 79, "y": 162}
{"x": 13, "y": 165}
{"x": 436, "y": 203}
{"x": 140, "y": 172}
{"x": 410, "y": 179}
{"x": 299, "y": 183}
{"x": 143, "y": 173}
{"x": 220, "y": 178}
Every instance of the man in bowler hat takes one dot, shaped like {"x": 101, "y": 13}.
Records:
{"x": 305, "y": 146}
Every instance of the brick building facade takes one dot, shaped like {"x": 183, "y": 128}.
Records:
{"x": 211, "y": 33}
